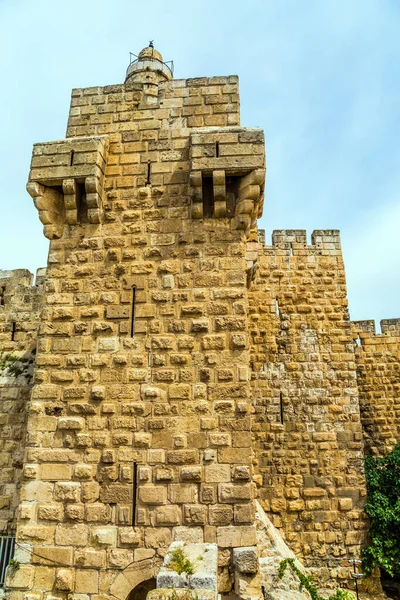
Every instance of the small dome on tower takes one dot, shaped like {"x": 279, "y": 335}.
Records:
{"x": 150, "y": 52}
{"x": 148, "y": 66}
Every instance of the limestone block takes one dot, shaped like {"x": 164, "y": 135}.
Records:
{"x": 36, "y": 533}
{"x": 153, "y": 494}
{"x": 182, "y": 493}
{"x": 98, "y": 392}
{"x": 86, "y": 581}
{"x": 195, "y": 514}
{"x": 72, "y": 535}
{"x": 244, "y": 513}
{"x": 188, "y": 535}
{"x": 83, "y": 471}
{"x": 163, "y": 474}
{"x": 56, "y": 472}
{"x": 191, "y": 474}
{"x": 245, "y": 559}
{"x": 64, "y": 580}
{"x": 108, "y": 345}
{"x": 104, "y": 536}
{"x": 121, "y": 558}
{"x": 235, "y": 536}
{"x": 46, "y": 555}
{"x": 221, "y": 515}
{"x": 21, "y": 578}
{"x": 74, "y": 512}
{"x": 217, "y": 473}
{"x": 23, "y": 553}
{"x": 158, "y": 537}
{"x": 73, "y": 423}
{"x": 90, "y": 558}
{"x": 115, "y": 493}
{"x": 129, "y": 536}
{"x": 68, "y": 491}
{"x": 233, "y": 493}
{"x": 168, "y": 515}
{"x": 50, "y": 512}
{"x": 181, "y": 457}
{"x": 97, "y": 513}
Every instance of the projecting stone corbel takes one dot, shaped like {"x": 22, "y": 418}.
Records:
{"x": 93, "y": 198}
{"x": 66, "y": 182}
{"x": 219, "y": 188}
{"x": 250, "y": 199}
{"x": 196, "y": 183}
{"x": 70, "y": 201}
{"x": 227, "y": 174}
{"x": 49, "y": 203}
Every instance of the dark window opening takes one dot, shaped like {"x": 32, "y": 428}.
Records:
{"x": 281, "y": 415}
{"x": 133, "y": 311}
{"x": 208, "y": 197}
{"x": 142, "y": 589}
{"x": 281, "y": 407}
{"x": 134, "y": 494}
{"x": 81, "y": 204}
{"x": 13, "y": 330}
{"x": 217, "y": 149}
{"x": 7, "y": 544}
{"x": 71, "y": 158}
{"x": 148, "y": 173}
{"x": 2, "y": 290}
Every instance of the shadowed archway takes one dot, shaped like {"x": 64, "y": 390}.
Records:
{"x": 142, "y": 589}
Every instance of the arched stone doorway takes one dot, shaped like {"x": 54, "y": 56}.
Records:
{"x": 142, "y": 589}
{"x": 134, "y": 582}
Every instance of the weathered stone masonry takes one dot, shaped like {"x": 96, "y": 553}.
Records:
{"x": 183, "y": 367}
{"x": 20, "y": 303}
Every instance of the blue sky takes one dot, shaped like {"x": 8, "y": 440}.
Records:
{"x": 322, "y": 77}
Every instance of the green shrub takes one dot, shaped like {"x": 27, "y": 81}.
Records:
{"x": 306, "y": 584}
{"x": 180, "y": 563}
{"x": 383, "y": 509}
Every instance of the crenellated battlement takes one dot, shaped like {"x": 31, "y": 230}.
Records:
{"x": 20, "y": 305}
{"x": 293, "y": 242}
{"x": 366, "y": 330}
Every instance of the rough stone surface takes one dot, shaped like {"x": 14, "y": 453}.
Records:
{"x": 245, "y": 560}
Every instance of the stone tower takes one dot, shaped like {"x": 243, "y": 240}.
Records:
{"x": 139, "y": 425}
{"x": 187, "y": 376}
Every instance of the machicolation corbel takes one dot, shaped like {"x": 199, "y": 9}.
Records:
{"x": 66, "y": 182}
{"x": 228, "y": 174}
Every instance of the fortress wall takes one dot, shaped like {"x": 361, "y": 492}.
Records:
{"x": 307, "y": 429}
{"x": 378, "y": 376}
{"x": 20, "y": 303}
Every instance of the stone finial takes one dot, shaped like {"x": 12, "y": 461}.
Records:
{"x": 148, "y": 67}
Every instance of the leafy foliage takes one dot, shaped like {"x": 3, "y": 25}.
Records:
{"x": 13, "y": 365}
{"x": 383, "y": 509}
{"x": 14, "y": 564}
{"x": 180, "y": 563}
{"x": 305, "y": 582}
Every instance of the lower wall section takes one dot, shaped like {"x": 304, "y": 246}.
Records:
{"x": 307, "y": 429}
{"x": 378, "y": 377}
{"x": 14, "y": 395}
